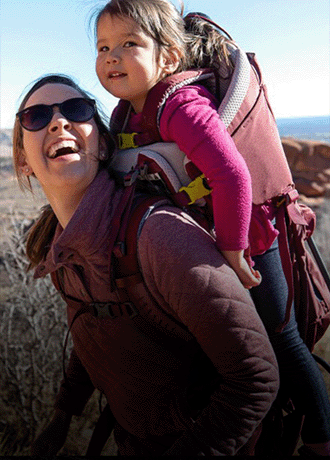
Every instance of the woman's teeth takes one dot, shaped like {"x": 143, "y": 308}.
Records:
{"x": 63, "y": 148}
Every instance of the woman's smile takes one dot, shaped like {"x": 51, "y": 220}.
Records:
{"x": 63, "y": 147}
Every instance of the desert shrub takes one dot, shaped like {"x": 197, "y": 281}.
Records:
{"x": 32, "y": 331}
{"x": 32, "y": 326}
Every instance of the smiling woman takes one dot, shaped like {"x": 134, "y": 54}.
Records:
{"x": 147, "y": 383}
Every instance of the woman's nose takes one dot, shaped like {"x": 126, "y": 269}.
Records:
{"x": 58, "y": 122}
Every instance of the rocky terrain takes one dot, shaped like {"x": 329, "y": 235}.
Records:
{"x": 310, "y": 165}
{"x": 32, "y": 316}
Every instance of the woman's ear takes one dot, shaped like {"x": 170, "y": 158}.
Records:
{"x": 24, "y": 166}
{"x": 103, "y": 149}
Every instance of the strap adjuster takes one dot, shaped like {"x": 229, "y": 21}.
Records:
{"x": 113, "y": 310}
{"x": 102, "y": 310}
{"x": 197, "y": 189}
{"x": 126, "y": 141}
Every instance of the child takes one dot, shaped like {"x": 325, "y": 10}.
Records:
{"x": 129, "y": 64}
{"x": 139, "y": 43}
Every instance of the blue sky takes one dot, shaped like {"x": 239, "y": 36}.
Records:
{"x": 289, "y": 37}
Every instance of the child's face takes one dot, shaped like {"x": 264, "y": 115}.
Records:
{"x": 128, "y": 63}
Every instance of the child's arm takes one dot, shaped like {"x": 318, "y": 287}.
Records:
{"x": 190, "y": 120}
{"x": 247, "y": 275}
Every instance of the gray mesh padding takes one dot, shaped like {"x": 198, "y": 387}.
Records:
{"x": 238, "y": 87}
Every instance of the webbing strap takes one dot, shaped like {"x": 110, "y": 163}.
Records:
{"x": 286, "y": 262}
{"x": 101, "y": 433}
{"x": 287, "y": 207}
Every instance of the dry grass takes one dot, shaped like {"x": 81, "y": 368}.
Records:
{"x": 32, "y": 329}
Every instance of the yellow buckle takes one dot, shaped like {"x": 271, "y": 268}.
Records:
{"x": 126, "y": 141}
{"x": 197, "y": 189}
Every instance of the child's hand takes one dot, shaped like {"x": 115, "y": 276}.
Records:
{"x": 52, "y": 439}
{"x": 247, "y": 275}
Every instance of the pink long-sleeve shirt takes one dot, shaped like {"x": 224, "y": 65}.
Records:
{"x": 191, "y": 121}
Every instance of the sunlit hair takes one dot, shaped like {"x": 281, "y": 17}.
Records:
{"x": 18, "y": 148}
{"x": 196, "y": 41}
{"x": 206, "y": 45}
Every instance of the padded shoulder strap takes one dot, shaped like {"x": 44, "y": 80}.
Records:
{"x": 127, "y": 272}
{"x": 118, "y": 117}
{"x": 151, "y": 319}
{"x": 159, "y": 94}
{"x": 155, "y": 103}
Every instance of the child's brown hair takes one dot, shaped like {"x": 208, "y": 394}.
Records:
{"x": 195, "y": 40}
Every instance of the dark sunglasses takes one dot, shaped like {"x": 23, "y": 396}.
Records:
{"x": 38, "y": 116}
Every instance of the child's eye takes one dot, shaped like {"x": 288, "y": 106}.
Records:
{"x": 129, "y": 44}
{"x": 103, "y": 49}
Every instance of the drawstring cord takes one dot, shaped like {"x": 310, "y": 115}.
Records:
{"x": 81, "y": 311}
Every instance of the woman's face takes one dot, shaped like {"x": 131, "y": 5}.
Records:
{"x": 63, "y": 155}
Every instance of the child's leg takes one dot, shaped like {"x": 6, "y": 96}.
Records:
{"x": 299, "y": 373}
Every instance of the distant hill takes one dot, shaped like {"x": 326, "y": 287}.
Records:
{"x": 6, "y": 137}
{"x": 6, "y": 164}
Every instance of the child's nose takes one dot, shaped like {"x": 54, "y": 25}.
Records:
{"x": 113, "y": 57}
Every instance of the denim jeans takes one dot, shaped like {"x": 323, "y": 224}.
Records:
{"x": 300, "y": 377}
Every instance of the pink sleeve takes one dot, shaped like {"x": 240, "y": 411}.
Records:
{"x": 190, "y": 120}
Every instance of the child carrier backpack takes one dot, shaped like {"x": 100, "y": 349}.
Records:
{"x": 246, "y": 112}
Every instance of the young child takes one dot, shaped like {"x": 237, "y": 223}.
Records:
{"x": 129, "y": 64}
{"x": 139, "y": 43}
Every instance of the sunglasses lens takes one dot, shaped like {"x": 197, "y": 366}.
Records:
{"x": 78, "y": 109}
{"x": 35, "y": 118}
{"x": 38, "y": 116}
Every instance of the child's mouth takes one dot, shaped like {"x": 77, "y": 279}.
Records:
{"x": 114, "y": 75}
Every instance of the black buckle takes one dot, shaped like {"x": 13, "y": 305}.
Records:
{"x": 105, "y": 309}
{"x": 131, "y": 309}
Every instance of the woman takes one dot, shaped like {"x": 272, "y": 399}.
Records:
{"x": 59, "y": 139}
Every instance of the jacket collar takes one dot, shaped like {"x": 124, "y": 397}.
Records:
{"x": 89, "y": 228}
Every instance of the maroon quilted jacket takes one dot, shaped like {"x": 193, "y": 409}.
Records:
{"x": 145, "y": 384}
